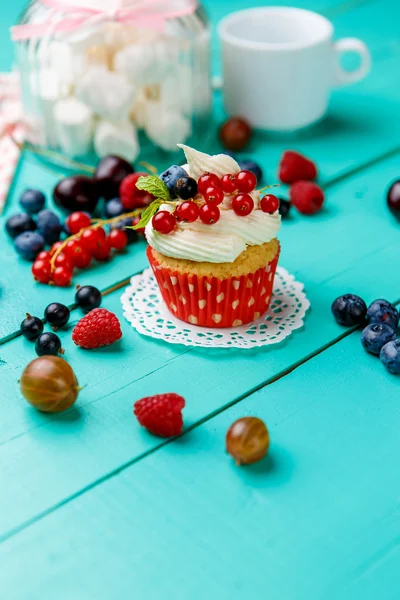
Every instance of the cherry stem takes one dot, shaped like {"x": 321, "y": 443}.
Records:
{"x": 96, "y": 224}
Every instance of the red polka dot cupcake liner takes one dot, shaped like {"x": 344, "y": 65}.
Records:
{"x": 213, "y": 302}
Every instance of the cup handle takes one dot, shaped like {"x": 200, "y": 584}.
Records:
{"x": 342, "y": 77}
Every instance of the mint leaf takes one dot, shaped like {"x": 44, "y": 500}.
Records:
{"x": 155, "y": 186}
{"x": 147, "y": 214}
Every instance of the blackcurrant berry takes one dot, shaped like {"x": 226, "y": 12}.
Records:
{"x": 88, "y": 298}
{"x": 57, "y": 315}
{"x": 31, "y": 327}
{"x": 48, "y": 344}
{"x": 186, "y": 188}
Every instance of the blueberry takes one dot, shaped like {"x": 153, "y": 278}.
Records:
{"x": 31, "y": 327}
{"x": 382, "y": 311}
{"x": 131, "y": 233}
{"x": 32, "y": 201}
{"x": 349, "y": 310}
{"x": 284, "y": 207}
{"x": 250, "y": 165}
{"x": 49, "y": 225}
{"x": 19, "y": 223}
{"x": 186, "y": 188}
{"x": 48, "y": 344}
{"x": 375, "y": 336}
{"x": 171, "y": 176}
{"x": 88, "y": 298}
{"x": 29, "y": 244}
{"x": 390, "y": 356}
{"x": 113, "y": 208}
{"x": 57, "y": 315}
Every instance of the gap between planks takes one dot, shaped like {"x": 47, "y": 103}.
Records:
{"x": 115, "y": 472}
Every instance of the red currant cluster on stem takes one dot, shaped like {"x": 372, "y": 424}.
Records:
{"x": 88, "y": 241}
{"x": 211, "y": 192}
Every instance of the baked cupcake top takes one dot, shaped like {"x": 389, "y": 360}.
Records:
{"x": 228, "y": 215}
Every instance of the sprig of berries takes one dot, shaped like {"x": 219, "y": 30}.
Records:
{"x": 201, "y": 199}
{"x": 88, "y": 241}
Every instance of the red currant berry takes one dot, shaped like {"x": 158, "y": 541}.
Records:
{"x": 118, "y": 239}
{"x": 243, "y": 204}
{"x": 62, "y": 276}
{"x": 63, "y": 260}
{"x": 41, "y": 270}
{"x": 187, "y": 212}
{"x": 43, "y": 255}
{"x": 207, "y": 180}
{"x": 210, "y": 214}
{"x": 55, "y": 247}
{"x": 246, "y": 182}
{"x": 164, "y": 222}
{"x": 214, "y": 195}
{"x": 77, "y": 221}
{"x": 77, "y": 253}
{"x": 82, "y": 257}
{"x": 269, "y": 204}
{"x": 229, "y": 184}
{"x": 91, "y": 237}
{"x": 102, "y": 251}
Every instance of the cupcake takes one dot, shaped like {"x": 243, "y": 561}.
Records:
{"x": 212, "y": 244}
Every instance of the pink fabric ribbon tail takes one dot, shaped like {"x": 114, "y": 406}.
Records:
{"x": 143, "y": 14}
{"x": 12, "y": 132}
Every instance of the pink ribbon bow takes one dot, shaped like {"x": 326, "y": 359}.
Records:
{"x": 11, "y": 132}
{"x": 143, "y": 14}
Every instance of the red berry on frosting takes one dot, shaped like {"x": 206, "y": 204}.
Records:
{"x": 243, "y": 204}
{"x": 98, "y": 328}
{"x": 229, "y": 184}
{"x": 246, "y": 181}
{"x": 207, "y": 180}
{"x": 269, "y": 204}
{"x": 161, "y": 414}
{"x": 209, "y": 214}
{"x": 214, "y": 195}
{"x": 187, "y": 212}
{"x": 163, "y": 222}
{"x": 307, "y": 197}
{"x": 295, "y": 167}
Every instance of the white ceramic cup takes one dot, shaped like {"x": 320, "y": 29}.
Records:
{"x": 280, "y": 65}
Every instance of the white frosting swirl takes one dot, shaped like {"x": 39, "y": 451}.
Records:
{"x": 229, "y": 237}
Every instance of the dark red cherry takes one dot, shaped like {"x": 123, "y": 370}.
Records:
{"x": 109, "y": 174}
{"x": 78, "y": 193}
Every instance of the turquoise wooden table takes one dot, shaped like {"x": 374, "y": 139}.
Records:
{"x": 92, "y": 506}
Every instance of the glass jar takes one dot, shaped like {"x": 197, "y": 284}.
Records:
{"x": 114, "y": 76}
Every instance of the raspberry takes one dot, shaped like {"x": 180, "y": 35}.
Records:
{"x": 161, "y": 414}
{"x": 131, "y": 197}
{"x": 307, "y": 197}
{"x": 294, "y": 166}
{"x": 98, "y": 328}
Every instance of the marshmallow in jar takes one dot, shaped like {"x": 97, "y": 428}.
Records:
{"x": 114, "y": 76}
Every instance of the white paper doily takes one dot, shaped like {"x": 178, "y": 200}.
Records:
{"x": 145, "y": 309}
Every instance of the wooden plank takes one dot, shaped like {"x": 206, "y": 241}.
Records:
{"x": 42, "y": 460}
{"x": 354, "y": 132}
{"x": 318, "y": 519}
